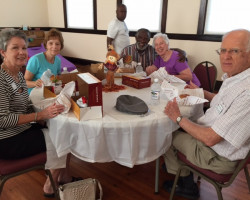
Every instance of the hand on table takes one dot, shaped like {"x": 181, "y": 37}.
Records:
{"x": 172, "y": 110}
{"x": 191, "y": 85}
{"x": 150, "y": 69}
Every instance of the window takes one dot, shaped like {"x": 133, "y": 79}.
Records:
{"x": 225, "y": 15}
{"x": 80, "y": 14}
{"x": 143, "y": 14}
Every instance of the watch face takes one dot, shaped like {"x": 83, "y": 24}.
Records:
{"x": 178, "y": 119}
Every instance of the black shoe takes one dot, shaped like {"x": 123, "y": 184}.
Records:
{"x": 74, "y": 179}
{"x": 164, "y": 168}
{"x": 47, "y": 195}
{"x": 192, "y": 192}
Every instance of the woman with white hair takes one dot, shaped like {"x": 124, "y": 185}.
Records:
{"x": 170, "y": 60}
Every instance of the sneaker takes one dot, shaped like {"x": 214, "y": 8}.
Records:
{"x": 191, "y": 192}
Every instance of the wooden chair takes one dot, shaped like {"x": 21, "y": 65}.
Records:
{"x": 206, "y": 72}
{"x": 219, "y": 181}
{"x": 13, "y": 168}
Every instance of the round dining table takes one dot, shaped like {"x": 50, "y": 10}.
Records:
{"x": 127, "y": 139}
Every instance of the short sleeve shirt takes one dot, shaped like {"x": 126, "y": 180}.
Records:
{"x": 146, "y": 58}
{"x": 174, "y": 67}
{"x": 119, "y": 32}
{"x": 38, "y": 64}
{"x": 229, "y": 117}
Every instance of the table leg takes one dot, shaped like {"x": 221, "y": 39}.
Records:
{"x": 157, "y": 175}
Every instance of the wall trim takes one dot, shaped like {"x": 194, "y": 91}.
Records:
{"x": 194, "y": 37}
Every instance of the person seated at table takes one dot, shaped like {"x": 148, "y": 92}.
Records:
{"x": 221, "y": 137}
{"x": 19, "y": 137}
{"x": 143, "y": 52}
{"x": 169, "y": 59}
{"x": 41, "y": 62}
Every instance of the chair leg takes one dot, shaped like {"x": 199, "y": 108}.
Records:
{"x": 219, "y": 194}
{"x": 53, "y": 184}
{"x": 175, "y": 183}
{"x": 3, "y": 179}
{"x": 247, "y": 177}
{"x": 157, "y": 165}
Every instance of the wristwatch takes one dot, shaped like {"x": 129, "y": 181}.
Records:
{"x": 178, "y": 119}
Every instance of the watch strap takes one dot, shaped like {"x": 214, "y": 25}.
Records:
{"x": 178, "y": 120}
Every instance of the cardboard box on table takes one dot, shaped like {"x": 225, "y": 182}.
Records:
{"x": 88, "y": 86}
{"x": 96, "y": 69}
{"x": 136, "y": 82}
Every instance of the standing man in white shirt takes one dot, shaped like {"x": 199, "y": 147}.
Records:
{"x": 117, "y": 33}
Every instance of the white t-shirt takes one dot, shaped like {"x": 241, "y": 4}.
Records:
{"x": 119, "y": 32}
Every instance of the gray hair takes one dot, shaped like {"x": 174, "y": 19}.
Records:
{"x": 143, "y": 30}
{"x": 7, "y": 34}
{"x": 161, "y": 35}
{"x": 242, "y": 30}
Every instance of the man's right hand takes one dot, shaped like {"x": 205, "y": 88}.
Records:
{"x": 191, "y": 85}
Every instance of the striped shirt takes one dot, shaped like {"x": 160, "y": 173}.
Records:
{"x": 229, "y": 117}
{"x": 12, "y": 104}
{"x": 146, "y": 58}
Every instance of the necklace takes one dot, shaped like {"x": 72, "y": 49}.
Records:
{"x": 14, "y": 76}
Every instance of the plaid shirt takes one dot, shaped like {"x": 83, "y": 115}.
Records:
{"x": 146, "y": 58}
{"x": 229, "y": 117}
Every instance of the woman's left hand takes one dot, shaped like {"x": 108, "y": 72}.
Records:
{"x": 38, "y": 83}
{"x": 172, "y": 110}
{"x": 150, "y": 69}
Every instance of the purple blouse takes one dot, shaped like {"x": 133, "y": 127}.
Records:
{"x": 174, "y": 67}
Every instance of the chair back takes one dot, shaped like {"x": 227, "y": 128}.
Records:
{"x": 206, "y": 72}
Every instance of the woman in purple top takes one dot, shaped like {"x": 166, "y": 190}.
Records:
{"x": 170, "y": 60}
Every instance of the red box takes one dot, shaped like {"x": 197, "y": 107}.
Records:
{"x": 136, "y": 82}
{"x": 90, "y": 87}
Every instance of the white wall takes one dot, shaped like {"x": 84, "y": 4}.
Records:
{"x": 182, "y": 18}
{"x": 55, "y": 13}
{"x": 15, "y": 13}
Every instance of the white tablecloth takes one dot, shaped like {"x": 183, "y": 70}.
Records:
{"x": 120, "y": 137}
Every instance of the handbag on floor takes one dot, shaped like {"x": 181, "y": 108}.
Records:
{"x": 86, "y": 189}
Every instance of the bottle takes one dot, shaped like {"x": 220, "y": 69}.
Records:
{"x": 139, "y": 68}
{"x": 155, "y": 92}
{"x": 65, "y": 71}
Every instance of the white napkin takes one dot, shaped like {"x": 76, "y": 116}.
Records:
{"x": 46, "y": 77}
{"x": 196, "y": 96}
{"x": 162, "y": 75}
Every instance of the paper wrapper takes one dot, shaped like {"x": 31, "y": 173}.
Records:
{"x": 63, "y": 98}
{"x": 162, "y": 75}
{"x": 46, "y": 77}
{"x": 195, "y": 96}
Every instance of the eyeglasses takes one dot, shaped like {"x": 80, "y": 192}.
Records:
{"x": 223, "y": 51}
